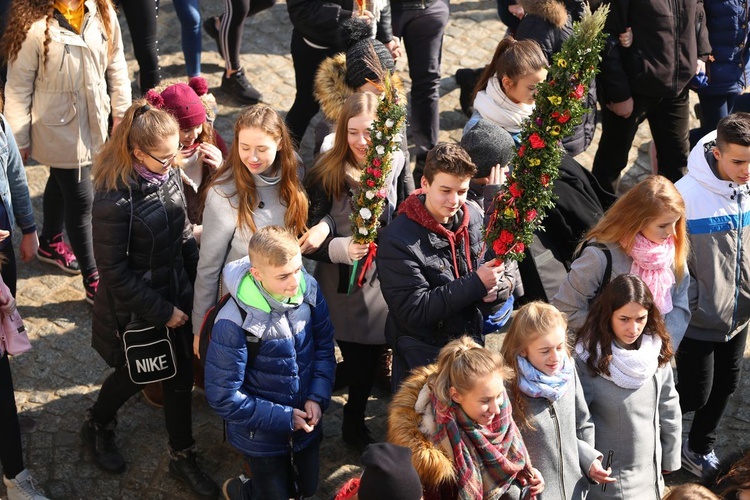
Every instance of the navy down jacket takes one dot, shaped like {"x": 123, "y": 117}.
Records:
{"x": 296, "y": 362}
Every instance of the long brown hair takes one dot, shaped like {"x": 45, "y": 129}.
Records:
{"x": 460, "y": 364}
{"x": 142, "y": 127}
{"x": 291, "y": 193}
{"x": 652, "y": 197}
{"x": 514, "y": 59}
{"x": 23, "y": 13}
{"x": 597, "y": 335}
{"x": 330, "y": 170}
{"x": 530, "y": 322}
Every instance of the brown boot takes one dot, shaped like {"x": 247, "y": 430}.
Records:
{"x": 154, "y": 394}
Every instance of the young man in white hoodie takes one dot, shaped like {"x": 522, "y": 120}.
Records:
{"x": 709, "y": 359}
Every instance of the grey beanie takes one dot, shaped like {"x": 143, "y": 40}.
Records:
{"x": 362, "y": 49}
{"x": 488, "y": 144}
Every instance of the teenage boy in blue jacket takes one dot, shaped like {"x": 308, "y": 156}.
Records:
{"x": 272, "y": 403}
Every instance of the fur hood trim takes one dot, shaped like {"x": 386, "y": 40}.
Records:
{"x": 331, "y": 90}
{"x": 550, "y": 10}
{"x": 406, "y": 416}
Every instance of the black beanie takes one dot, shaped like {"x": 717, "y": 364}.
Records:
{"x": 389, "y": 474}
{"x": 361, "y": 49}
{"x": 488, "y": 144}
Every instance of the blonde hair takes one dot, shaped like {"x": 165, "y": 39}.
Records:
{"x": 291, "y": 193}
{"x": 143, "y": 127}
{"x": 330, "y": 170}
{"x": 532, "y": 321}
{"x": 652, "y": 197}
{"x": 273, "y": 246}
{"x": 690, "y": 491}
{"x": 460, "y": 364}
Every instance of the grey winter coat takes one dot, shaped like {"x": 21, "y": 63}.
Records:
{"x": 563, "y": 466}
{"x": 585, "y": 277}
{"x": 643, "y": 427}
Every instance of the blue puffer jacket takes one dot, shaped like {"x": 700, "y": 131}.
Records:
{"x": 727, "y": 24}
{"x": 296, "y": 362}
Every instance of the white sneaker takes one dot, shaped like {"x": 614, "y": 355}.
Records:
{"x": 22, "y": 487}
{"x": 695, "y": 463}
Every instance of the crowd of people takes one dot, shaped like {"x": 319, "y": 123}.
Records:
{"x": 195, "y": 254}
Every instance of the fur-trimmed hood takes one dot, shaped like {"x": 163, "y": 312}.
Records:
{"x": 331, "y": 90}
{"x": 550, "y": 10}
{"x": 409, "y": 424}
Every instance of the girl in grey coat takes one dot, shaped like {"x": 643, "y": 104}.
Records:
{"x": 623, "y": 353}
{"x": 644, "y": 233}
{"x": 548, "y": 403}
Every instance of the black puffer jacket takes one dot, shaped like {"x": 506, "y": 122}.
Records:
{"x": 549, "y": 23}
{"x": 432, "y": 292}
{"x": 668, "y": 37}
{"x": 319, "y": 20}
{"x": 136, "y": 271}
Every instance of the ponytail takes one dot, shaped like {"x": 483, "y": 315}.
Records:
{"x": 514, "y": 59}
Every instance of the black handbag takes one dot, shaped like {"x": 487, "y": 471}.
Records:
{"x": 149, "y": 353}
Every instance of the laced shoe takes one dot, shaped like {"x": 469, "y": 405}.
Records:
{"x": 696, "y": 463}
{"x": 57, "y": 252}
{"x": 237, "y": 488}
{"x": 23, "y": 487}
{"x": 91, "y": 285}
{"x": 238, "y": 86}
{"x": 183, "y": 466}
{"x": 100, "y": 441}
{"x": 209, "y": 26}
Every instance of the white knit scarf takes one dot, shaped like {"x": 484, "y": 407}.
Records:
{"x": 494, "y": 105}
{"x": 629, "y": 369}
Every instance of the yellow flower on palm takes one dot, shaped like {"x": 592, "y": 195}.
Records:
{"x": 555, "y": 130}
{"x": 510, "y": 213}
{"x": 535, "y": 162}
{"x": 555, "y": 100}
{"x": 562, "y": 63}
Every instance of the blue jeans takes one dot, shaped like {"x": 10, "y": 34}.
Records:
{"x": 190, "y": 19}
{"x": 273, "y": 477}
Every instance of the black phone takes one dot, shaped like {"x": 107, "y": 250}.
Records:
{"x": 607, "y": 465}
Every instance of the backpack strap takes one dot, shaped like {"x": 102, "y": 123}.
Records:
{"x": 607, "y": 276}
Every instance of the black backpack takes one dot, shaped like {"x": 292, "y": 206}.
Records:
{"x": 252, "y": 342}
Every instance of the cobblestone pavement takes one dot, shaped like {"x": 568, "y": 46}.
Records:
{"x": 60, "y": 377}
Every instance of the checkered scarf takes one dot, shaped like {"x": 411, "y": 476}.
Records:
{"x": 487, "y": 459}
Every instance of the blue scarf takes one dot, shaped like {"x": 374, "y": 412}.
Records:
{"x": 536, "y": 384}
{"x": 149, "y": 176}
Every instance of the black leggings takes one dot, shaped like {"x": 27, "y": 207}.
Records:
{"x": 358, "y": 369}
{"x": 67, "y": 201}
{"x": 232, "y": 25}
{"x": 306, "y": 60}
{"x": 11, "y": 453}
{"x": 118, "y": 389}
{"x": 141, "y": 17}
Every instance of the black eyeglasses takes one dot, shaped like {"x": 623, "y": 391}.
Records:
{"x": 165, "y": 161}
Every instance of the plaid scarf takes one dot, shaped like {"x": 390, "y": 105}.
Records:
{"x": 487, "y": 459}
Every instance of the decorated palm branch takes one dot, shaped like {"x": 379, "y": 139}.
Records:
{"x": 371, "y": 197}
{"x": 521, "y": 205}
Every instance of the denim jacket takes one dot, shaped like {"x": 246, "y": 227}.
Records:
{"x": 14, "y": 189}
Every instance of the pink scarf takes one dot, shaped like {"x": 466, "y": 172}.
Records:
{"x": 654, "y": 263}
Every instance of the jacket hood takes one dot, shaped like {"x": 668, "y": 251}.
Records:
{"x": 432, "y": 464}
{"x": 551, "y": 11}
{"x": 413, "y": 208}
{"x": 331, "y": 90}
{"x": 700, "y": 170}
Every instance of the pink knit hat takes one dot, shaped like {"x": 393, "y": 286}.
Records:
{"x": 182, "y": 101}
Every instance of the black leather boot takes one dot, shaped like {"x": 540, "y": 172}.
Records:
{"x": 100, "y": 441}
{"x": 183, "y": 466}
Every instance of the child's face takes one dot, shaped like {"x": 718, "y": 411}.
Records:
{"x": 482, "y": 403}
{"x": 523, "y": 90}
{"x": 445, "y": 195}
{"x": 188, "y": 136}
{"x": 159, "y": 159}
{"x": 733, "y": 162}
{"x": 280, "y": 281}
{"x": 547, "y": 352}
{"x": 661, "y": 228}
{"x": 358, "y": 136}
{"x": 257, "y": 149}
{"x": 628, "y": 323}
